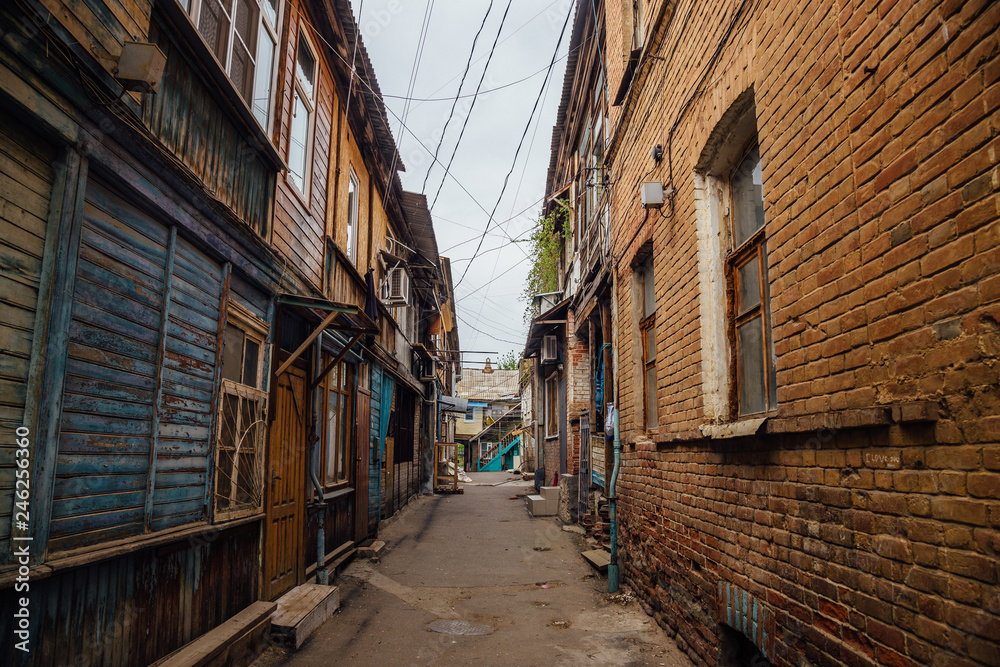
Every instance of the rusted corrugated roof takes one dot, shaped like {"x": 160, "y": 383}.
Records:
{"x": 495, "y": 386}
{"x": 371, "y": 93}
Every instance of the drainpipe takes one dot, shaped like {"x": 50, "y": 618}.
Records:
{"x": 322, "y": 576}
{"x": 612, "y": 499}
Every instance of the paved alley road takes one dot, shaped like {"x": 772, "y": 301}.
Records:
{"x": 480, "y": 558}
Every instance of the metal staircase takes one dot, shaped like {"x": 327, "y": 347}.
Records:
{"x": 500, "y": 438}
{"x": 492, "y": 459}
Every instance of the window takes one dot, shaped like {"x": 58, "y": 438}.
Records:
{"x": 647, "y": 331}
{"x": 303, "y": 105}
{"x": 352, "y": 216}
{"x": 756, "y": 390}
{"x": 239, "y": 468}
{"x": 242, "y": 34}
{"x": 638, "y": 23}
{"x": 552, "y": 405}
{"x": 339, "y": 410}
{"x": 470, "y": 414}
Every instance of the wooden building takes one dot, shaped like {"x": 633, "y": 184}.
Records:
{"x": 202, "y": 339}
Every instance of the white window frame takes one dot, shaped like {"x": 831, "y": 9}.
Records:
{"x": 265, "y": 27}
{"x": 465, "y": 416}
{"x": 299, "y": 88}
{"x": 353, "y": 202}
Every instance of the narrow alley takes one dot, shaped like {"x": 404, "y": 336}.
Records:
{"x": 480, "y": 559}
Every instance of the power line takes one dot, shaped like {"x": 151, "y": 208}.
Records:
{"x": 480, "y": 331}
{"x": 509, "y": 36}
{"x": 474, "y": 99}
{"x": 383, "y": 108}
{"x": 454, "y": 104}
{"x": 521, "y": 142}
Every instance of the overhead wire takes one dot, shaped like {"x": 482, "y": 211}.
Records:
{"x": 458, "y": 95}
{"x": 524, "y": 134}
{"x": 472, "y": 106}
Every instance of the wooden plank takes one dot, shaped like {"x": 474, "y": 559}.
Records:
{"x": 203, "y": 650}
{"x": 85, "y": 334}
{"x": 308, "y": 341}
{"x": 111, "y": 360}
{"x": 97, "y": 485}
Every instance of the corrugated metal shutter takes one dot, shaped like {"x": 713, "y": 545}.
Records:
{"x": 105, "y": 468}
{"x": 25, "y": 191}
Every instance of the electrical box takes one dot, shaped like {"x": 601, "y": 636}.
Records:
{"x": 140, "y": 67}
{"x": 652, "y": 194}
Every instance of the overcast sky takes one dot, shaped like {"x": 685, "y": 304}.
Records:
{"x": 488, "y": 298}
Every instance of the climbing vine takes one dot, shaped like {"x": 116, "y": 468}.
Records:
{"x": 547, "y": 243}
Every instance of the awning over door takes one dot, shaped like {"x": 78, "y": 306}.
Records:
{"x": 342, "y": 317}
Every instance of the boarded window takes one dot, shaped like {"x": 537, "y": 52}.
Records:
{"x": 134, "y": 440}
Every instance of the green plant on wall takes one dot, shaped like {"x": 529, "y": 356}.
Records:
{"x": 547, "y": 243}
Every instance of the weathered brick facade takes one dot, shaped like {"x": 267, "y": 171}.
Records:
{"x": 861, "y": 516}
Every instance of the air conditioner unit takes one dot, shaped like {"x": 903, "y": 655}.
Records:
{"x": 550, "y": 349}
{"x": 396, "y": 288}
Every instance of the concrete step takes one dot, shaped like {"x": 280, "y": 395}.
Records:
{"x": 302, "y": 610}
{"x": 598, "y": 558}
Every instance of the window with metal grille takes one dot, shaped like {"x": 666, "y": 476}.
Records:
{"x": 242, "y": 420}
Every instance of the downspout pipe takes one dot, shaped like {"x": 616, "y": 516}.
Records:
{"x": 322, "y": 576}
{"x": 612, "y": 500}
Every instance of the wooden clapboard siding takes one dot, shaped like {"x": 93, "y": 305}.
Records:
{"x": 136, "y": 608}
{"x": 300, "y": 218}
{"x": 192, "y": 125}
{"x": 25, "y": 191}
{"x": 135, "y": 430}
{"x": 102, "y": 26}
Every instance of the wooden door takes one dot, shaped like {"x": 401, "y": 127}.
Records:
{"x": 362, "y": 442}
{"x": 286, "y": 475}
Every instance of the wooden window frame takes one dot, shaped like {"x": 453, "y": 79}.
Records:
{"x": 353, "y": 214}
{"x": 647, "y": 325}
{"x": 255, "y": 330}
{"x": 264, "y": 25}
{"x": 753, "y": 247}
{"x": 552, "y": 405}
{"x": 299, "y": 88}
{"x": 344, "y": 374}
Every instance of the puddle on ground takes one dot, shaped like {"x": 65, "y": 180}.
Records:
{"x": 459, "y": 627}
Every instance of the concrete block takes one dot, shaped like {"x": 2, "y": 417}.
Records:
{"x": 539, "y": 506}
{"x": 549, "y": 492}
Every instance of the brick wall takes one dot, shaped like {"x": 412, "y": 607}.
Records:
{"x": 861, "y": 518}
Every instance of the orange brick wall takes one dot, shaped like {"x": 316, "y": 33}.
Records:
{"x": 866, "y": 524}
